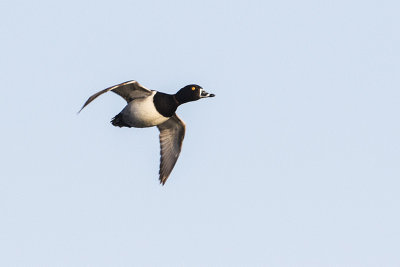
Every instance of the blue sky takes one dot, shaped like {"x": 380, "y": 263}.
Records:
{"x": 295, "y": 162}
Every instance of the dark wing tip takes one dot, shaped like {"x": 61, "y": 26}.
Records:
{"x": 163, "y": 178}
{"x": 81, "y": 109}
{"x": 162, "y": 181}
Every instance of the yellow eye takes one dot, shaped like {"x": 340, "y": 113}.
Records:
{"x": 193, "y": 88}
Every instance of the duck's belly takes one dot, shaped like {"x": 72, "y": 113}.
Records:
{"x": 142, "y": 113}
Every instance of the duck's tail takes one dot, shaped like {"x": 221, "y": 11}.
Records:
{"x": 119, "y": 121}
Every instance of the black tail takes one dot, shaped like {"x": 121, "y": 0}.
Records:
{"x": 118, "y": 121}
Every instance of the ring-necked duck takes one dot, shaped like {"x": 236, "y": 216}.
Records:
{"x": 147, "y": 108}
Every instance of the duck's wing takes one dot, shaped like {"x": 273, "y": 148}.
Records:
{"x": 172, "y": 133}
{"x": 128, "y": 90}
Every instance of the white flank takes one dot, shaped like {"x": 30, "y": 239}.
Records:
{"x": 142, "y": 113}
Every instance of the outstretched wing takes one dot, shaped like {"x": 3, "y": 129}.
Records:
{"x": 128, "y": 90}
{"x": 172, "y": 133}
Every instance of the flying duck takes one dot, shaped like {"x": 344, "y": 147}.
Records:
{"x": 148, "y": 108}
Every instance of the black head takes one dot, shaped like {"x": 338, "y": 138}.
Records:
{"x": 191, "y": 92}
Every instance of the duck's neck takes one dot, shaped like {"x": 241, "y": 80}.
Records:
{"x": 177, "y": 102}
{"x": 182, "y": 97}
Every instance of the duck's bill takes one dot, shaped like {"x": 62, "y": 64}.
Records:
{"x": 205, "y": 94}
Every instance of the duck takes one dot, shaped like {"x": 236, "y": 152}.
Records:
{"x": 149, "y": 108}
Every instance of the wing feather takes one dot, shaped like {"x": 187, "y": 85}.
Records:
{"x": 128, "y": 90}
{"x": 172, "y": 133}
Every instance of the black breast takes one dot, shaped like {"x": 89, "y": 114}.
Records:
{"x": 165, "y": 104}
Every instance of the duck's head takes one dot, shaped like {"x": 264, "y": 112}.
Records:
{"x": 191, "y": 92}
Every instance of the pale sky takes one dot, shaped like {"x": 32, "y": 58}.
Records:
{"x": 295, "y": 162}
